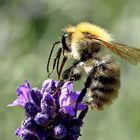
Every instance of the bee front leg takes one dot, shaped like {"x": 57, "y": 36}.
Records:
{"x": 72, "y": 73}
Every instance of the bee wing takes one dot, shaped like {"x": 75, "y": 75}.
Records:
{"x": 132, "y": 55}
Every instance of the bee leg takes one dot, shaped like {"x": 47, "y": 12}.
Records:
{"x": 88, "y": 83}
{"x": 72, "y": 73}
{"x": 61, "y": 66}
{"x": 83, "y": 113}
{"x": 102, "y": 85}
{"x": 57, "y": 57}
{"x": 60, "y": 84}
{"x": 69, "y": 75}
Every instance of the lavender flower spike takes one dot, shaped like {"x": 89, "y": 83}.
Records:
{"x": 49, "y": 116}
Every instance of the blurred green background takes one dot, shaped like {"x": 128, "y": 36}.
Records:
{"x": 27, "y": 31}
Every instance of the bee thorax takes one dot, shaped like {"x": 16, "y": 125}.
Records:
{"x": 74, "y": 52}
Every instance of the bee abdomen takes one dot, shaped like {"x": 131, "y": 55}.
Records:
{"x": 104, "y": 87}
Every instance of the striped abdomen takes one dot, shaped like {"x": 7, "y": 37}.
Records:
{"x": 104, "y": 87}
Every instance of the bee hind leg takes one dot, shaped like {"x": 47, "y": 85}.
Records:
{"x": 87, "y": 85}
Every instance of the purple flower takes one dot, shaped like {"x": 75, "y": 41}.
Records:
{"x": 68, "y": 99}
{"x": 74, "y": 133}
{"x": 48, "y": 105}
{"x": 29, "y": 135}
{"x": 23, "y": 95}
{"x": 29, "y": 124}
{"x": 49, "y": 113}
{"x": 49, "y": 86}
{"x": 19, "y": 132}
{"x": 30, "y": 109}
{"x": 59, "y": 132}
{"x": 41, "y": 119}
{"x": 36, "y": 96}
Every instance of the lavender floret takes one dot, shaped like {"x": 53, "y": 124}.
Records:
{"x": 30, "y": 109}
{"x": 29, "y": 136}
{"x": 59, "y": 132}
{"x": 41, "y": 119}
{"x": 36, "y": 96}
{"x": 29, "y": 124}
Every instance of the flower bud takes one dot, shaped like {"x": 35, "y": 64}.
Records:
{"x": 29, "y": 136}
{"x": 29, "y": 124}
{"x": 41, "y": 119}
{"x": 30, "y": 109}
{"x": 36, "y": 96}
{"x": 59, "y": 132}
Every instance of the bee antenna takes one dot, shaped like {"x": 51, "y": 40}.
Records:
{"x": 49, "y": 58}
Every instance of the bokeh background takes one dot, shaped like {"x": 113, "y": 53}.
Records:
{"x": 27, "y": 31}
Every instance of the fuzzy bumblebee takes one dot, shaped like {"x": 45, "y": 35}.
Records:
{"x": 84, "y": 43}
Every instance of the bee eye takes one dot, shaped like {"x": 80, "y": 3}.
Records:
{"x": 64, "y": 44}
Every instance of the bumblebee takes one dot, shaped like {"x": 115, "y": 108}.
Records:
{"x": 84, "y": 43}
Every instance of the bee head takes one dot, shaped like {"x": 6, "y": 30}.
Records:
{"x": 65, "y": 48}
